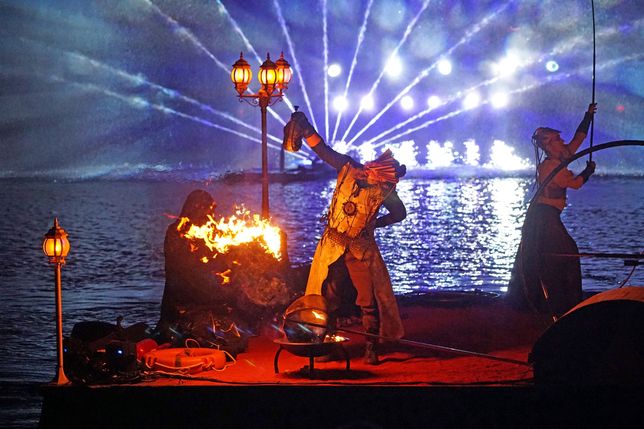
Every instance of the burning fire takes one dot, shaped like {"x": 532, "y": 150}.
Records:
{"x": 224, "y": 276}
{"x": 240, "y": 228}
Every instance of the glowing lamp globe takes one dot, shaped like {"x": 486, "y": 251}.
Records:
{"x": 284, "y": 73}
{"x": 56, "y": 245}
{"x": 268, "y": 75}
{"x": 241, "y": 74}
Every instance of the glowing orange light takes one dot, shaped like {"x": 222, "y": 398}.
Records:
{"x": 241, "y": 74}
{"x": 56, "y": 245}
{"x": 240, "y": 228}
{"x": 268, "y": 75}
{"x": 225, "y": 276}
{"x": 284, "y": 73}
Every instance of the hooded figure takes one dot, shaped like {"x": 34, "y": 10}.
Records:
{"x": 349, "y": 235}
{"x": 541, "y": 280}
{"x": 186, "y": 277}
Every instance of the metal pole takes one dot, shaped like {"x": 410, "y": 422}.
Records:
{"x": 60, "y": 378}
{"x": 417, "y": 343}
{"x": 600, "y": 255}
{"x": 592, "y": 124}
{"x": 263, "y": 104}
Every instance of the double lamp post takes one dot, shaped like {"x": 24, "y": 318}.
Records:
{"x": 274, "y": 78}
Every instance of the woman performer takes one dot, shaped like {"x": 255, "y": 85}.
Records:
{"x": 540, "y": 279}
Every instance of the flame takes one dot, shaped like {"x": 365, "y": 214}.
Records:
{"x": 225, "y": 276}
{"x": 240, "y": 228}
{"x": 334, "y": 338}
{"x": 318, "y": 315}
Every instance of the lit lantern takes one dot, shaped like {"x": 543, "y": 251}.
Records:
{"x": 56, "y": 247}
{"x": 268, "y": 75}
{"x": 284, "y": 73}
{"x": 56, "y": 244}
{"x": 241, "y": 74}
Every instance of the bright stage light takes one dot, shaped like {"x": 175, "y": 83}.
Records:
{"x": 471, "y": 100}
{"x": 472, "y": 152}
{"x": 334, "y": 70}
{"x": 438, "y": 155}
{"x": 434, "y": 101}
{"x": 367, "y": 102}
{"x": 506, "y": 66}
{"x": 394, "y": 67}
{"x": 444, "y": 67}
{"x": 407, "y": 103}
{"x": 499, "y": 100}
{"x": 502, "y": 157}
{"x": 405, "y": 152}
{"x": 366, "y": 152}
{"x": 340, "y": 103}
{"x": 552, "y": 66}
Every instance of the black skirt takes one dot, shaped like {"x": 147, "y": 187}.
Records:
{"x": 540, "y": 280}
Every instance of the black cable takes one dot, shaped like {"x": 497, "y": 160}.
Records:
{"x": 592, "y": 123}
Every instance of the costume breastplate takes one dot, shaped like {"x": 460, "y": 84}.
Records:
{"x": 552, "y": 190}
{"x": 353, "y": 207}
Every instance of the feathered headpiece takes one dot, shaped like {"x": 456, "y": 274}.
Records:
{"x": 383, "y": 168}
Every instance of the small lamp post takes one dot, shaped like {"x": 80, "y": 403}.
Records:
{"x": 274, "y": 78}
{"x": 56, "y": 247}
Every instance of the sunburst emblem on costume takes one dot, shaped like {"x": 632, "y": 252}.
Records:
{"x": 349, "y": 208}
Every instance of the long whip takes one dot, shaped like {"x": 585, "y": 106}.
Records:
{"x": 420, "y": 344}
{"x": 592, "y": 123}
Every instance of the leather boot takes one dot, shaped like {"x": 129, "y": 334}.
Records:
{"x": 371, "y": 324}
{"x": 371, "y": 354}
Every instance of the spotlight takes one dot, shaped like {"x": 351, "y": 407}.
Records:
{"x": 394, "y": 67}
{"x": 407, "y": 103}
{"x": 340, "y": 103}
{"x": 471, "y": 100}
{"x": 367, "y": 103}
{"x": 434, "y": 101}
{"x": 334, "y": 70}
{"x": 507, "y": 65}
{"x": 552, "y": 66}
{"x": 499, "y": 100}
{"x": 444, "y": 67}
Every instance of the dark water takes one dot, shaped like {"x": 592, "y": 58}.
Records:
{"x": 459, "y": 234}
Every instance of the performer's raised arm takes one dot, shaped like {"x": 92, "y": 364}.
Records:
{"x": 582, "y": 130}
{"x": 303, "y": 129}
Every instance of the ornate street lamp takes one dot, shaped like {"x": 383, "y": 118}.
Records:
{"x": 274, "y": 79}
{"x": 56, "y": 247}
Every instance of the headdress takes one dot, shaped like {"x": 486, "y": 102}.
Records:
{"x": 540, "y": 134}
{"x": 383, "y": 168}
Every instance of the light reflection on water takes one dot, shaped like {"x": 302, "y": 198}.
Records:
{"x": 459, "y": 234}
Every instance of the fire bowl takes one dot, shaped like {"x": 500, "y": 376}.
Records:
{"x": 311, "y": 350}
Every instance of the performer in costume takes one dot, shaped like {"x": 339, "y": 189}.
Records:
{"x": 349, "y": 236}
{"x": 540, "y": 280}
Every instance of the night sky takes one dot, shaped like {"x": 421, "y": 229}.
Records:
{"x": 94, "y": 87}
